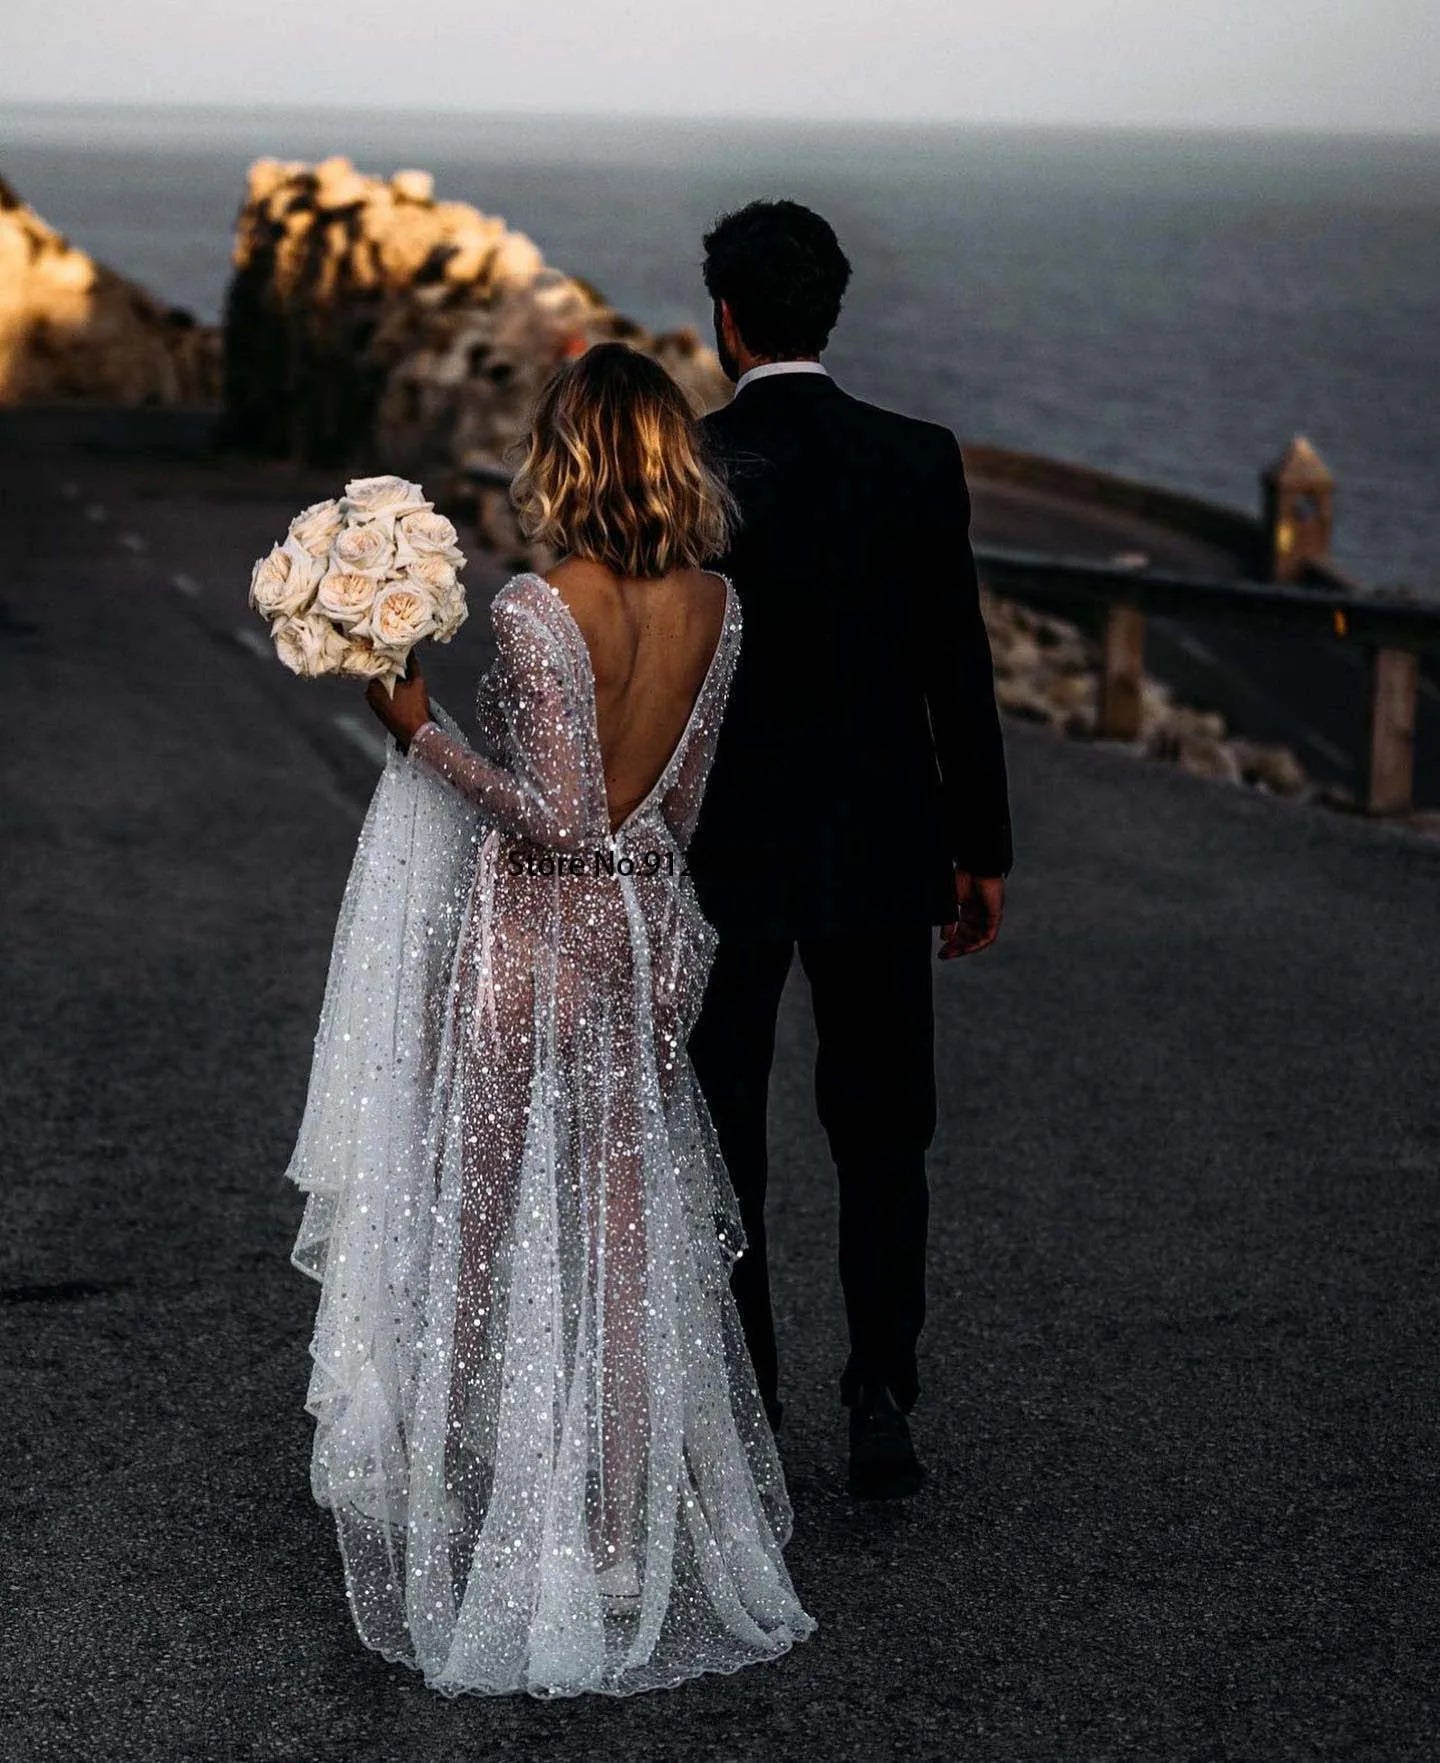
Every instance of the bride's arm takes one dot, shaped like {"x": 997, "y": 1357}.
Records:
{"x": 519, "y": 804}
{"x": 546, "y": 796}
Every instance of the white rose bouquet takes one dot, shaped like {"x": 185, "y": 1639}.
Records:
{"x": 359, "y": 580}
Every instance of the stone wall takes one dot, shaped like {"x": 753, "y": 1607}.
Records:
{"x": 369, "y": 324}
{"x": 70, "y": 328}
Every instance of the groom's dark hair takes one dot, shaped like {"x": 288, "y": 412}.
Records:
{"x": 780, "y": 269}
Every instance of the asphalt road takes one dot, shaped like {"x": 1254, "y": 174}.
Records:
{"x": 1180, "y": 1367}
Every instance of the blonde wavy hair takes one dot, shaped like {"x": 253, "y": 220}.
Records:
{"x": 617, "y": 469}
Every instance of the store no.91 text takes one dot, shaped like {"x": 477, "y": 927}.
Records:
{"x": 601, "y": 861}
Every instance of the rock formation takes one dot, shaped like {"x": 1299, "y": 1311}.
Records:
{"x": 70, "y": 328}
{"x": 369, "y": 323}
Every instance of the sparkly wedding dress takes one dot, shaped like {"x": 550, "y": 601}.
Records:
{"x": 536, "y": 1424}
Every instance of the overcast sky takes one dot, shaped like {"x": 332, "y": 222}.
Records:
{"x": 1328, "y": 64}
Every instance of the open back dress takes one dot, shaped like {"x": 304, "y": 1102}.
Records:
{"x": 536, "y": 1423}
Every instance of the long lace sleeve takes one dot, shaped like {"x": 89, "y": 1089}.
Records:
{"x": 543, "y": 789}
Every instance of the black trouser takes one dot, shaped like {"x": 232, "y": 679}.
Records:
{"x": 875, "y": 1092}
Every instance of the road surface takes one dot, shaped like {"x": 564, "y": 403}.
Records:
{"x": 1180, "y": 1365}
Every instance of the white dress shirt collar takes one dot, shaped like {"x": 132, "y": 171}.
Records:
{"x": 766, "y": 368}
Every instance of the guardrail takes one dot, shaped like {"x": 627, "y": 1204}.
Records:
{"x": 1395, "y": 633}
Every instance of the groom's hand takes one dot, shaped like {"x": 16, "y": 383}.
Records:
{"x": 981, "y": 899}
{"x": 407, "y": 708}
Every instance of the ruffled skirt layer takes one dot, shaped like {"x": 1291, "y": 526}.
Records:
{"x": 536, "y": 1423}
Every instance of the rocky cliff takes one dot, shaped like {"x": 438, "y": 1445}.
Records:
{"x": 72, "y": 328}
{"x": 370, "y": 323}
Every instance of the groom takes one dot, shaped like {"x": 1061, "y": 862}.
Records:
{"x": 858, "y": 796}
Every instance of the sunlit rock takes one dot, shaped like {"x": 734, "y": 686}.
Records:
{"x": 368, "y": 323}
{"x": 71, "y": 328}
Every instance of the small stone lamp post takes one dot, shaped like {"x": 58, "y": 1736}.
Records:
{"x": 1298, "y": 497}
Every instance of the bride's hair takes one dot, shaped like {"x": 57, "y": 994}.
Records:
{"x": 618, "y": 470}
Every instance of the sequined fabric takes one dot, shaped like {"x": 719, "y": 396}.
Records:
{"x": 536, "y": 1423}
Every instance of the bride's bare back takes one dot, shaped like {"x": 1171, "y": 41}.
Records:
{"x": 650, "y": 644}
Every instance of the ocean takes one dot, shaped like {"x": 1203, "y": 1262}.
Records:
{"x": 1173, "y": 306}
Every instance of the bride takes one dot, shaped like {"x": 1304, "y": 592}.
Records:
{"x": 536, "y": 1423}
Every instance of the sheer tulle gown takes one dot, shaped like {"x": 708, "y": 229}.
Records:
{"x": 536, "y": 1422}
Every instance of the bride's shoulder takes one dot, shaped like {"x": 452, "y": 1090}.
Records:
{"x": 723, "y": 587}
{"x": 526, "y": 592}
{"x": 531, "y": 620}
{"x": 523, "y": 586}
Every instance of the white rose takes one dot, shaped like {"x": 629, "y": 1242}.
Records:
{"x": 283, "y": 582}
{"x": 368, "y": 549}
{"x": 383, "y": 495}
{"x": 314, "y": 529}
{"x": 437, "y": 573}
{"x": 362, "y": 660}
{"x": 427, "y": 534}
{"x": 440, "y": 578}
{"x": 345, "y": 595}
{"x": 403, "y": 612}
{"x": 450, "y": 613}
{"x": 308, "y": 645}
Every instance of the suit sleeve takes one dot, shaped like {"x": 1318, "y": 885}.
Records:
{"x": 960, "y": 683}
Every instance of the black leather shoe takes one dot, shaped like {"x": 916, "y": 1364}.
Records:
{"x": 883, "y": 1464}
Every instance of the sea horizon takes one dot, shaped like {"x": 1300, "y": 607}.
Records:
{"x": 701, "y": 117}
{"x": 1169, "y": 303}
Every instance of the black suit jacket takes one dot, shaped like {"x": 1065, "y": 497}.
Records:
{"x": 860, "y": 760}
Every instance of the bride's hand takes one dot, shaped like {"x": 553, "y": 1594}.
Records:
{"x": 408, "y": 709}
